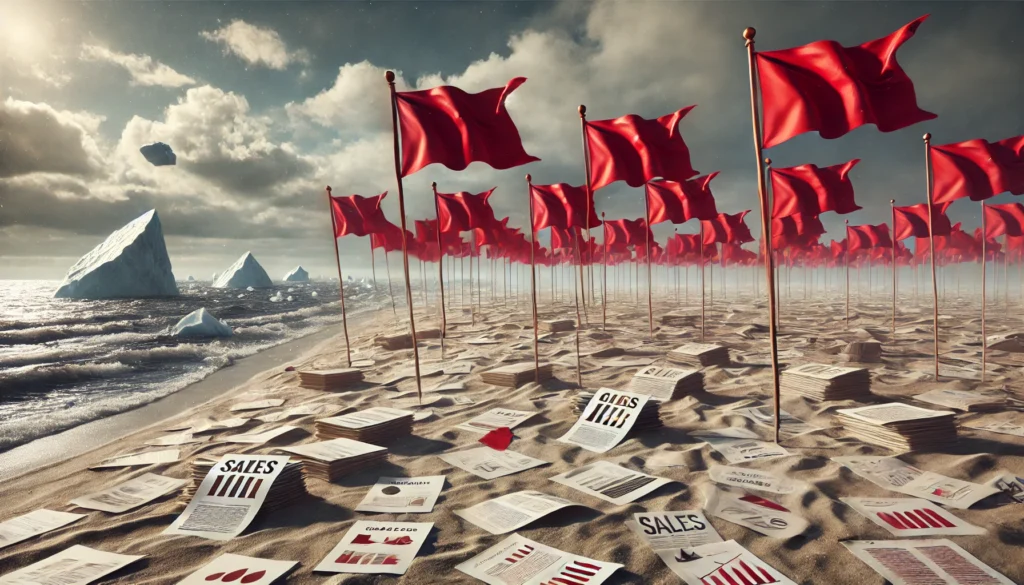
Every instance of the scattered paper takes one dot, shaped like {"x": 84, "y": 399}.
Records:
{"x": 961, "y": 400}
{"x": 512, "y": 511}
{"x": 765, "y": 417}
{"x": 78, "y": 565}
{"x": 333, "y": 450}
{"x": 487, "y": 463}
{"x": 517, "y": 560}
{"x": 177, "y": 439}
{"x": 893, "y": 474}
{"x": 260, "y": 438}
{"x": 611, "y": 482}
{"x": 257, "y": 404}
{"x": 756, "y": 513}
{"x": 231, "y": 568}
{"x": 220, "y": 425}
{"x": 674, "y": 530}
{"x": 915, "y": 562}
{"x": 130, "y": 494}
{"x": 150, "y": 458}
{"x": 377, "y": 547}
{"x": 721, "y": 563}
{"x": 458, "y": 368}
{"x": 462, "y": 400}
{"x": 911, "y": 517}
{"x": 1002, "y": 427}
{"x": 754, "y": 479}
{"x": 301, "y": 410}
{"x": 401, "y": 495}
{"x": 1010, "y": 484}
{"x": 229, "y": 497}
{"x": 34, "y": 523}
{"x": 495, "y": 419}
{"x": 738, "y": 445}
{"x": 607, "y": 419}
{"x": 665, "y": 459}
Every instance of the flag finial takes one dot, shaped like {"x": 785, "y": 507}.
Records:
{"x": 389, "y": 76}
{"x": 927, "y": 136}
{"x": 749, "y": 32}
{"x": 328, "y": 188}
{"x": 528, "y": 178}
{"x": 583, "y": 111}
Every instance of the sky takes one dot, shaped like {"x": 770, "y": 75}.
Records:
{"x": 266, "y": 103}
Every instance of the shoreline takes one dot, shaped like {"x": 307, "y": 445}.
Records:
{"x": 82, "y": 439}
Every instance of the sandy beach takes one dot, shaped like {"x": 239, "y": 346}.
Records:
{"x": 811, "y": 330}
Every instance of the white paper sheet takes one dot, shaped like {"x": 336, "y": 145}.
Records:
{"x": 753, "y": 479}
{"x": 333, "y": 450}
{"x": 174, "y": 440}
{"x": 231, "y": 568}
{"x": 487, "y": 463}
{"x": 401, "y": 495}
{"x": 300, "y": 410}
{"x": 220, "y": 425}
{"x": 257, "y": 404}
{"x": 1003, "y": 427}
{"x": 141, "y": 459}
{"x": 377, "y": 547}
{"x": 368, "y": 418}
{"x": 229, "y": 497}
{"x": 880, "y": 414}
{"x": 259, "y": 438}
{"x": 820, "y": 371}
{"x": 512, "y": 511}
{"x": 911, "y": 517}
{"x": 756, "y": 513}
{"x": 721, "y": 562}
{"x": 32, "y": 524}
{"x": 1010, "y": 484}
{"x": 667, "y": 379}
{"x": 958, "y": 399}
{"x": 674, "y": 530}
{"x": 462, "y": 400}
{"x": 893, "y": 474}
{"x": 130, "y": 494}
{"x": 517, "y": 560}
{"x": 607, "y": 419}
{"x": 495, "y": 419}
{"x": 765, "y": 417}
{"x": 610, "y": 482}
{"x": 78, "y": 565}
{"x": 739, "y": 445}
{"x": 916, "y": 562}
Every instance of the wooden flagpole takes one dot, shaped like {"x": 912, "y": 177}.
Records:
{"x": 533, "y": 282}
{"x": 391, "y": 292}
{"x": 373, "y": 263}
{"x": 892, "y": 206}
{"x": 440, "y": 266}
{"x": 389, "y": 76}
{"x": 984, "y": 296}
{"x": 604, "y": 285}
{"x": 931, "y": 248}
{"x": 590, "y": 196}
{"x": 647, "y": 246}
{"x": 703, "y": 316}
{"x": 341, "y": 281}
{"x": 579, "y": 319}
{"x": 748, "y": 34}
{"x": 472, "y": 307}
{"x": 846, "y": 254}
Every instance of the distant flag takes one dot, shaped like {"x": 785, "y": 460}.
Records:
{"x": 978, "y": 169}
{"x": 637, "y": 150}
{"x": 812, "y": 190}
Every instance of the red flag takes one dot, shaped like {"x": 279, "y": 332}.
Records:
{"x": 357, "y": 215}
{"x": 727, "y": 228}
{"x": 912, "y": 221}
{"x": 811, "y": 190}
{"x": 462, "y": 212}
{"x": 797, "y": 230}
{"x": 389, "y": 236}
{"x": 832, "y": 89}
{"x": 1006, "y": 219}
{"x": 563, "y": 206}
{"x": 637, "y": 150}
{"x": 617, "y": 233}
{"x": 493, "y": 235}
{"x": 838, "y": 249}
{"x": 449, "y": 126}
{"x": 978, "y": 169}
{"x": 864, "y": 237}
{"x": 680, "y": 202}
{"x": 561, "y": 238}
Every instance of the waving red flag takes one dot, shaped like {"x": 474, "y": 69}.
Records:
{"x": 462, "y": 212}
{"x": 838, "y": 249}
{"x": 797, "y": 230}
{"x": 1006, "y": 219}
{"x": 389, "y": 236}
{"x": 864, "y": 237}
{"x": 637, "y": 150}
{"x": 617, "y": 234}
{"x": 727, "y": 228}
{"x": 978, "y": 169}
{"x": 563, "y": 206}
{"x": 357, "y": 215}
{"x": 912, "y": 221}
{"x": 562, "y": 238}
{"x": 811, "y": 190}
{"x": 680, "y": 202}
{"x": 449, "y": 126}
{"x": 491, "y": 236}
{"x": 832, "y": 89}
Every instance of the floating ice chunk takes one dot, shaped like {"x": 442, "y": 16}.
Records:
{"x": 159, "y": 154}
{"x": 200, "y": 323}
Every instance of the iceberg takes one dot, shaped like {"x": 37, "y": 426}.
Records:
{"x": 297, "y": 275}
{"x": 245, "y": 272}
{"x": 200, "y": 323}
{"x": 191, "y": 278}
{"x": 132, "y": 262}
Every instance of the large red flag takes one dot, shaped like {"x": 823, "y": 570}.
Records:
{"x": 1006, "y": 219}
{"x": 680, "y": 202}
{"x": 832, "y": 89}
{"x": 449, "y": 126}
{"x": 462, "y": 212}
{"x": 357, "y": 215}
{"x": 864, "y": 237}
{"x": 796, "y": 230}
{"x": 810, "y": 190}
{"x": 637, "y": 150}
{"x": 978, "y": 169}
{"x": 912, "y": 221}
{"x": 727, "y": 228}
{"x": 563, "y": 206}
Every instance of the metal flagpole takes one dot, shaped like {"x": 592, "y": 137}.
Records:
{"x": 647, "y": 236}
{"x": 931, "y": 248}
{"x": 533, "y": 283}
{"x": 892, "y": 205}
{"x": 391, "y": 292}
{"x": 440, "y": 266}
{"x": 847, "y": 255}
{"x": 984, "y": 296}
{"x": 702, "y": 287}
{"x": 341, "y": 281}
{"x": 604, "y": 285}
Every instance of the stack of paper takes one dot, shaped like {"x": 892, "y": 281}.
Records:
{"x": 557, "y": 325}
{"x": 376, "y": 425}
{"x": 666, "y": 383}
{"x": 428, "y": 333}
{"x": 329, "y": 380}
{"x": 287, "y": 487}
{"x": 608, "y": 416}
{"x": 700, "y": 355}
{"x": 515, "y": 375}
{"x": 329, "y": 460}
{"x": 965, "y": 401}
{"x": 396, "y": 341}
{"x": 900, "y": 426}
{"x": 824, "y": 382}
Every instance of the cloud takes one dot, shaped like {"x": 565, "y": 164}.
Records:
{"x": 359, "y": 101}
{"x": 36, "y": 138}
{"x": 142, "y": 68}
{"x": 256, "y": 45}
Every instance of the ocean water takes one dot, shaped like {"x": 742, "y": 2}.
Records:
{"x": 66, "y": 362}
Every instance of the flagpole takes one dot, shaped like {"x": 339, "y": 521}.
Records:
{"x": 702, "y": 287}
{"x": 440, "y": 267}
{"x": 533, "y": 281}
{"x": 389, "y": 76}
{"x": 748, "y": 34}
{"x": 472, "y": 307}
{"x": 604, "y": 285}
{"x": 373, "y": 263}
{"x": 391, "y": 291}
{"x": 931, "y": 248}
{"x": 892, "y": 205}
{"x": 647, "y": 245}
{"x": 847, "y": 255}
{"x": 579, "y": 320}
{"x": 984, "y": 296}
{"x": 590, "y": 196}
{"x": 341, "y": 282}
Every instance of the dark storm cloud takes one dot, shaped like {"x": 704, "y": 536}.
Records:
{"x": 252, "y": 177}
{"x": 38, "y": 139}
